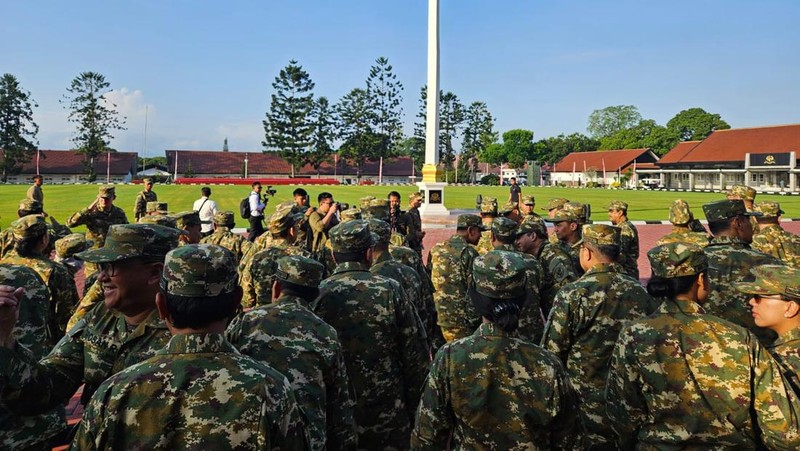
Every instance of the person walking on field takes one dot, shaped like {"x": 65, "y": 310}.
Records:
{"x": 35, "y": 191}
{"x": 207, "y": 208}
{"x": 515, "y": 191}
{"x": 256, "y": 212}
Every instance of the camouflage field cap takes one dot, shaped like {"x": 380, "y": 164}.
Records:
{"x": 199, "y": 270}
{"x": 300, "y": 270}
{"x": 504, "y": 227}
{"x": 224, "y": 218}
{"x": 489, "y": 205}
{"x": 499, "y": 275}
{"x": 378, "y": 209}
{"x": 107, "y": 191}
{"x": 72, "y": 244}
{"x": 769, "y": 209}
{"x": 282, "y": 219}
{"x": 726, "y": 208}
{"x": 569, "y": 211}
{"x": 508, "y": 207}
{"x": 742, "y": 192}
{"x": 673, "y": 260}
{"x": 157, "y": 207}
{"x": 32, "y": 207}
{"x": 125, "y": 241}
{"x": 147, "y": 181}
{"x": 364, "y": 201}
{"x": 162, "y": 220}
{"x": 30, "y": 226}
{"x": 187, "y": 218}
{"x": 556, "y": 202}
{"x": 351, "y": 236}
{"x": 468, "y": 220}
{"x": 528, "y": 200}
{"x": 679, "y": 212}
{"x": 350, "y": 214}
{"x": 773, "y": 280}
{"x": 414, "y": 196}
{"x": 532, "y": 224}
{"x": 601, "y": 234}
{"x": 380, "y": 228}
{"x": 618, "y": 205}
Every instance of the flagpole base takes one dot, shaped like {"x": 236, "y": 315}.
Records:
{"x": 433, "y": 199}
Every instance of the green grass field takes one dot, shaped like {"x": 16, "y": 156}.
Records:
{"x": 63, "y": 200}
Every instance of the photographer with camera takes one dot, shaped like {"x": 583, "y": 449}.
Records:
{"x": 320, "y": 221}
{"x": 256, "y": 212}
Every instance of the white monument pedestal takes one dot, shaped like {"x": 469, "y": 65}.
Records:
{"x": 433, "y": 199}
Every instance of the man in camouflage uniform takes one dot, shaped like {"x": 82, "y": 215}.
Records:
{"x": 586, "y": 318}
{"x": 30, "y": 431}
{"x": 450, "y": 263}
{"x": 99, "y": 216}
{"x": 143, "y": 197}
{"x": 122, "y": 330}
{"x": 66, "y": 248}
{"x": 224, "y": 236}
{"x": 730, "y": 259}
{"x": 552, "y": 207}
{"x": 488, "y": 213}
{"x": 156, "y": 208}
{"x": 383, "y": 342}
{"x": 492, "y": 390}
{"x": 526, "y": 206}
{"x": 158, "y": 219}
{"x": 685, "y": 379}
{"x": 189, "y": 222}
{"x": 772, "y": 239}
{"x": 30, "y": 240}
{"x": 628, "y": 237}
{"x": 415, "y": 234}
{"x": 212, "y": 396}
{"x": 748, "y": 196}
{"x": 567, "y": 222}
{"x": 681, "y": 217}
{"x": 287, "y": 336}
{"x": 32, "y": 207}
{"x": 35, "y": 190}
{"x": 510, "y": 210}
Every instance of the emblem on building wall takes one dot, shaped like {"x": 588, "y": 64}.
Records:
{"x": 769, "y": 159}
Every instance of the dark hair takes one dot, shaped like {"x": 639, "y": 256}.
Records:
{"x": 307, "y": 293}
{"x": 504, "y": 239}
{"x": 26, "y": 247}
{"x": 324, "y": 195}
{"x": 206, "y": 191}
{"x": 37, "y": 177}
{"x": 300, "y": 192}
{"x": 610, "y": 251}
{"x": 720, "y": 226}
{"x": 395, "y": 194}
{"x": 254, "y": 184}
{"x": 503, "y": 313}
{"x": 513, "y": 178}
{"x": 661, "y": 287}
{"x": 352, "y": 256}
{"x": 197, "y": 312}
{"x": 22, "y": 213}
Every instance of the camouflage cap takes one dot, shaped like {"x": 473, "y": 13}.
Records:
{"x": 742, "y": 192}
{"x": 601, "y": 234}
{"x": 468, "y": 220}
{"x": 72, "y": 244}
{"x": 187, "y": 218}
{"x": 159, "y": 207}
{"x": 618, "y": 205}
{"x": 147, "y": 181}
{"x": 556, "y": 202}
{"x": 224, "y": 218}
{"x": 508, "y": 207}
{"x": 504, "y": 227}
{"x": 107, "y": 191}
{"x": 769, "y": 209}
{"x": 679, "y": 212}
{"x": 532, "y": 224}
{"x": 380, "y": 228}
{"x": 364, "y": 201}
{"x": 489, "y": 205}
{"x": 726, "y": 208}
{"x": 351, "y": 236}
{"x": 199, "y": 270}
{"x": 569, "y": 211}
{"x": 673, "y": 260}
{"x": 773, "y": 280}
{"x": 300, "y": 270}
{"x": 30, "y": 226}
{"x": 31, "y": 206}
{"x": 283, "y": 218}
{"x": 350, "y": 214}
{"x": 378, "y": 209}
{"x": 499, "y": 275}
{"x": 125, "y": 241}
{"x": 415, "y": 195}
{"x": 528, "y": 200}
{"x": 162, "y": 220}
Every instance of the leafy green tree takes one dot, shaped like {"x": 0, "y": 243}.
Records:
{"x": 414, "y": 147}
{"x": 553, "y": 149}
{"x": 519, "y": 147}
{"x": 612, "y": 119}
{"x": 17, "y": 128}
{"x": 288, "y": 127}
{"x": 451, "y": 119}
{"x": 322, "y": 116}
{"x": 384, "y": 93}
{"x": 94, "y": 116}
{"x": 478, "y": 133}
{"x": 645, "y": 134}
{"x": 494, "y": 154}
{"x": 360, "y": 143}
{"x": 151, "y": 162}
{"x": 696, "y": 124}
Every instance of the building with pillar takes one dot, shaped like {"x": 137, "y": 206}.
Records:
{"x": 603, "y": 167}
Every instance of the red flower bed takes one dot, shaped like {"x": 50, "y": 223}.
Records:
{"x": 264, "y": 181}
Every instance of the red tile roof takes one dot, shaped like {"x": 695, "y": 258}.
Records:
{"x": 614, "y": 160}
{"x": 733, "y": 144}
{"x": 71, "y": 162}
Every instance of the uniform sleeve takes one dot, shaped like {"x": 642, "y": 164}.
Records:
{"x": 79, "y": 218}
{"x": 557, "y": 337}
{"x": 91, "y": 423}
{"x": 625, "y": 407}
{"x": 286, "y": 430}
{"x": 315, "y": 223}
{"x": 65, "y": 297}
{"x": 246, "y": 282}
{"x": 139, "y": 206}
{"x": 413, "y": 350}
{"x": 340, "y": 403}
{"x": 435, "y": 419}
{"x": 92, "y": 297}
{"x": 776, "y": 404}
{"x": 568, "y": 433}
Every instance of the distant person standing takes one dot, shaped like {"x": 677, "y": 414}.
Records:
{"x": 207, "y": 208}
{"x": 35, "y": 191}
{"x": 256, "y": 212}
{"x": 515, "y": 191}
{"x": 144, "y": 196}
{"x": 415, "y": 234}
{"x": 99, "y": 216}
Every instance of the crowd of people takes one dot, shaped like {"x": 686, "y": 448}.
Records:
{"x": 323, "y": 328}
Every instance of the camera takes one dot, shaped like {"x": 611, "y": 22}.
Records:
{"x": 269, "y": 192}
{"x": 342, "y": 206}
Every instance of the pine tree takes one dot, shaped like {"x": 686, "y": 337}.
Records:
{"x": 384, "y": 94}
{"x": 288, "y": 127}
{"x": 17, "y": 128}
{"x": 360, "y": 143}
{"x": 451, "y": 118}
{"x": 478, "y": 134}
{"x": 323, "y": 120}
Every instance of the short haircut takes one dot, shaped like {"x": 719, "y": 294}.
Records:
{"x": 254, "y": 184}
{"x": 349, "y": 257}
{"x": 300, "y": 192}
{"x": 610, "y": 251}
{"x": 37, "y": 177}
{"x": 198, "y": 312}
{"x": 26, "y": 247}
{"x": 668, "y": 288}
{"x": 513, "y": 178}
{"x": 717, "y": 227}
{"x": 504, "y": 239}
{"x": 307, "y": 293}
{"x": 324, "y": 195}
{"x": 206, "y": 191}
{"x": 393, "y": 193}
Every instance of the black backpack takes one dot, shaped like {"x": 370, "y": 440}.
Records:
{"x": 244, "y": 208}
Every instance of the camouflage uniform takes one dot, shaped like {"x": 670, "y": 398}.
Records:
{"x": 142, "y": 198}
{"x": 772, "y": 239}
{"x": 556, "y": 264}
{"x": 527, "y": 199}
{"x": 488, "y": 208}
{"x": 744, "y": 192}
{"x": 628, "y": 241}
{"x": 96, "y": 221}
{"x": 158, "y": 219}
{"x": 554, "y": 204}
{"x": 451, "y": 273}
{"x": 681, "y": 217}
{"x": 31, "y": 332}
{"x": 383, "y": 344}
{"x": 571, "y": 212}
{"x": 59, "y": 281}
{"x": 67, "y": 247}
{"x": 287, "y": 336}
{"x": 412, "y": 259}
{"x": 493, "y": 391}
{"x": 685, "y": 379}
{"x": 224, "y": 237}
{"x": 729, "y": 261}
{"x": 586, "y": 318}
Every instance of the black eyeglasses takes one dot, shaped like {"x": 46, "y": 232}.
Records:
{"x": 109, "y": 268}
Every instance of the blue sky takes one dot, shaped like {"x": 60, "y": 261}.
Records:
{"x": 204, "y": 69}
